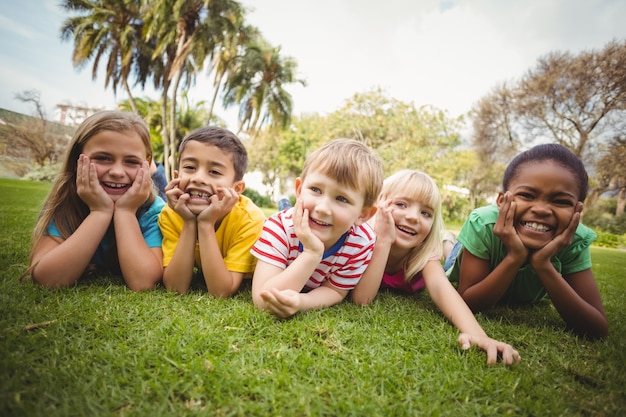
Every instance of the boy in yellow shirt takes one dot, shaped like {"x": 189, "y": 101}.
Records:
{"x": 208, "y": 223}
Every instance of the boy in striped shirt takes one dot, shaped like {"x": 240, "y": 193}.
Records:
{"x": 310, "y": 256}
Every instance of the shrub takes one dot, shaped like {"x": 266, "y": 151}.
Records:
{"x": 257, "y": 198}
{"x": 46, "y": 173}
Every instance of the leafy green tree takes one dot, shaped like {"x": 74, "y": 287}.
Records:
{"x": 578, "y": 101}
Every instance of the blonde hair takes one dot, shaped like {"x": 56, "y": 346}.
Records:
{"x": 418, "y": 186}
{"x": 351, "y": 163}
{"x": 63, "y": 206}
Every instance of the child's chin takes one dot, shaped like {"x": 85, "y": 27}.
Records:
{"x": 197, "y": 208}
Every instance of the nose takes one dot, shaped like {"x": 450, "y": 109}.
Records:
{"x": 199, "y": 177}
{"x": 541, "y": 208}
{"x": 412, "y": 215}
{"x": 323, "y": 206}
{"x": 117, "y": 170}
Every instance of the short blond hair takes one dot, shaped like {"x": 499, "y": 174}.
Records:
{"x": 351, "y": 163}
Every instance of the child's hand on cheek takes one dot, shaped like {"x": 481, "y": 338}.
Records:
{"x": 88, "y": 187}
{"x": 505, "y": 230}
{"x": 310, "y": 242}
{"x": 177, "y": 200}
{"x": 385, "y": 227}
{"x": 560, "y": 241}
{"x": 222, "y": 202}
{"x": 138, "y": 192}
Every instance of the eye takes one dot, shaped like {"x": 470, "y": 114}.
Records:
{"x": 102, "y": 158}
{"x": 342, "y": 199}
{"x": 427, "y": 214}
{"x": 215, "y": 172}
{"x": 316, "y": 190}
{"x": 525, "y": 195}
{"x": 189, "y": 167}
{"x": 564, "y": 202}
{"x": 133, "y": 162}
{"x": 401, "y": 204}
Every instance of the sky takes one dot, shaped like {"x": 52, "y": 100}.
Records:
{"x": 447, "y": 54}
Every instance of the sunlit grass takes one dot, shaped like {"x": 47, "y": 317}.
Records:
{"x": 99, "y": 349}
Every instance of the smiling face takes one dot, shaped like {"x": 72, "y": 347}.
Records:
{"x": 546, "y": 195}
{"x": 118, "y": 157}
{"x": 333, "y": 207}
{"x": 204, "y": 168}
{"x": 413, "y": 220}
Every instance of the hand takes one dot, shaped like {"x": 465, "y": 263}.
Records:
{"x": 220, "y": 204}
{"x": 559, "y": 242}
{"x": 88, "y": 187}
{"x": 505, "y": 230}
{"x": 385, "y": 227}
{"x": 494, "y": 348}
{"x": 310, "y": 242}
{"x": 139, "y": 191}
{"x": 281, "y": 303}
{"x": 177, "y": 200}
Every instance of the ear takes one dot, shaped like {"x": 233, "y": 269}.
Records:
{"x": 366, "y": 214}
{"x": 298, "y": 186}
{"x": 239, "y": 186}
{"x": 500, "y": 199}
{"x": 175, "y": 173}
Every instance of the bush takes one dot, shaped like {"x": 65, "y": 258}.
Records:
{"x": 46, "y": 173}
{"x": 257, "y": 198}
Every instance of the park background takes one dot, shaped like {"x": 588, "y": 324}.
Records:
{"x": 454, "y": 88}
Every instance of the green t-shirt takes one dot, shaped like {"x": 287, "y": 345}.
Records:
{"x": 478, "y": 238}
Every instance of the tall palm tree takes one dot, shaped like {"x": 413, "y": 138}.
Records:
{"x": 257, "y": 85}
{"x": 186, "y": 33}
{"x": 224, "y": 61}
{"x": 105, "y": 30}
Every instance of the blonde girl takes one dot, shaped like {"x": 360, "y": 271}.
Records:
{"x": 102, "y": 209}
{"x": 409, "y": 226}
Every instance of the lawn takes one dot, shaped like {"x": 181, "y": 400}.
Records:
{"x": 99, "y": 349}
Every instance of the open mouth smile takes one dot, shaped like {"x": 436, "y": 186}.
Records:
{"x": 406, "y": 230}
{"x": 115, "y": 186}
{"x": 536, "y": 227}
{"x": 319, "y": 223}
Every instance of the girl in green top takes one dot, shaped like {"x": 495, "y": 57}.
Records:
{"x": 531, "y": 244}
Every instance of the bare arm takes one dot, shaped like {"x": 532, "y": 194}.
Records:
{"x": 219, "y": 280}
{"x": 60, "y": 263}
{"x": 296, "y": 275}
{"x": 178, "y": 273}
{"x": 142, "y": 267}
{"x": 286, "y": 303}
{"x": 448, "y": 300}
{"x": 576, "y": 296}
{"x": 480, "y": 287}
{"x": 369, "y": 284}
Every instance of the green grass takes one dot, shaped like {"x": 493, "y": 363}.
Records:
{"x": 98, "y": 349}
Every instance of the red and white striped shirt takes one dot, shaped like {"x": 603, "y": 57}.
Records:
{"x": 342, "y": 265}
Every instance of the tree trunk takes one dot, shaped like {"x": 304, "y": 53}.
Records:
{"x": 165, "y": 134}
{"x": 131, "y": 99}
{"x": 173, "y": 139}
{"x": 621, "y": 201}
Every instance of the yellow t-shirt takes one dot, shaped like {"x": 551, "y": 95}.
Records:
{"x": 237, "y": 233}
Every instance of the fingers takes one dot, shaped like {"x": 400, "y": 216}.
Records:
{"x": 493, "y": 348}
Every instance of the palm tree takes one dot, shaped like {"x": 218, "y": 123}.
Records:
{"x": 257, "y": 83}
{"x": 186, "y": 32}
{"x": 105, "y": 30}
{"x": 230, "y": 52}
